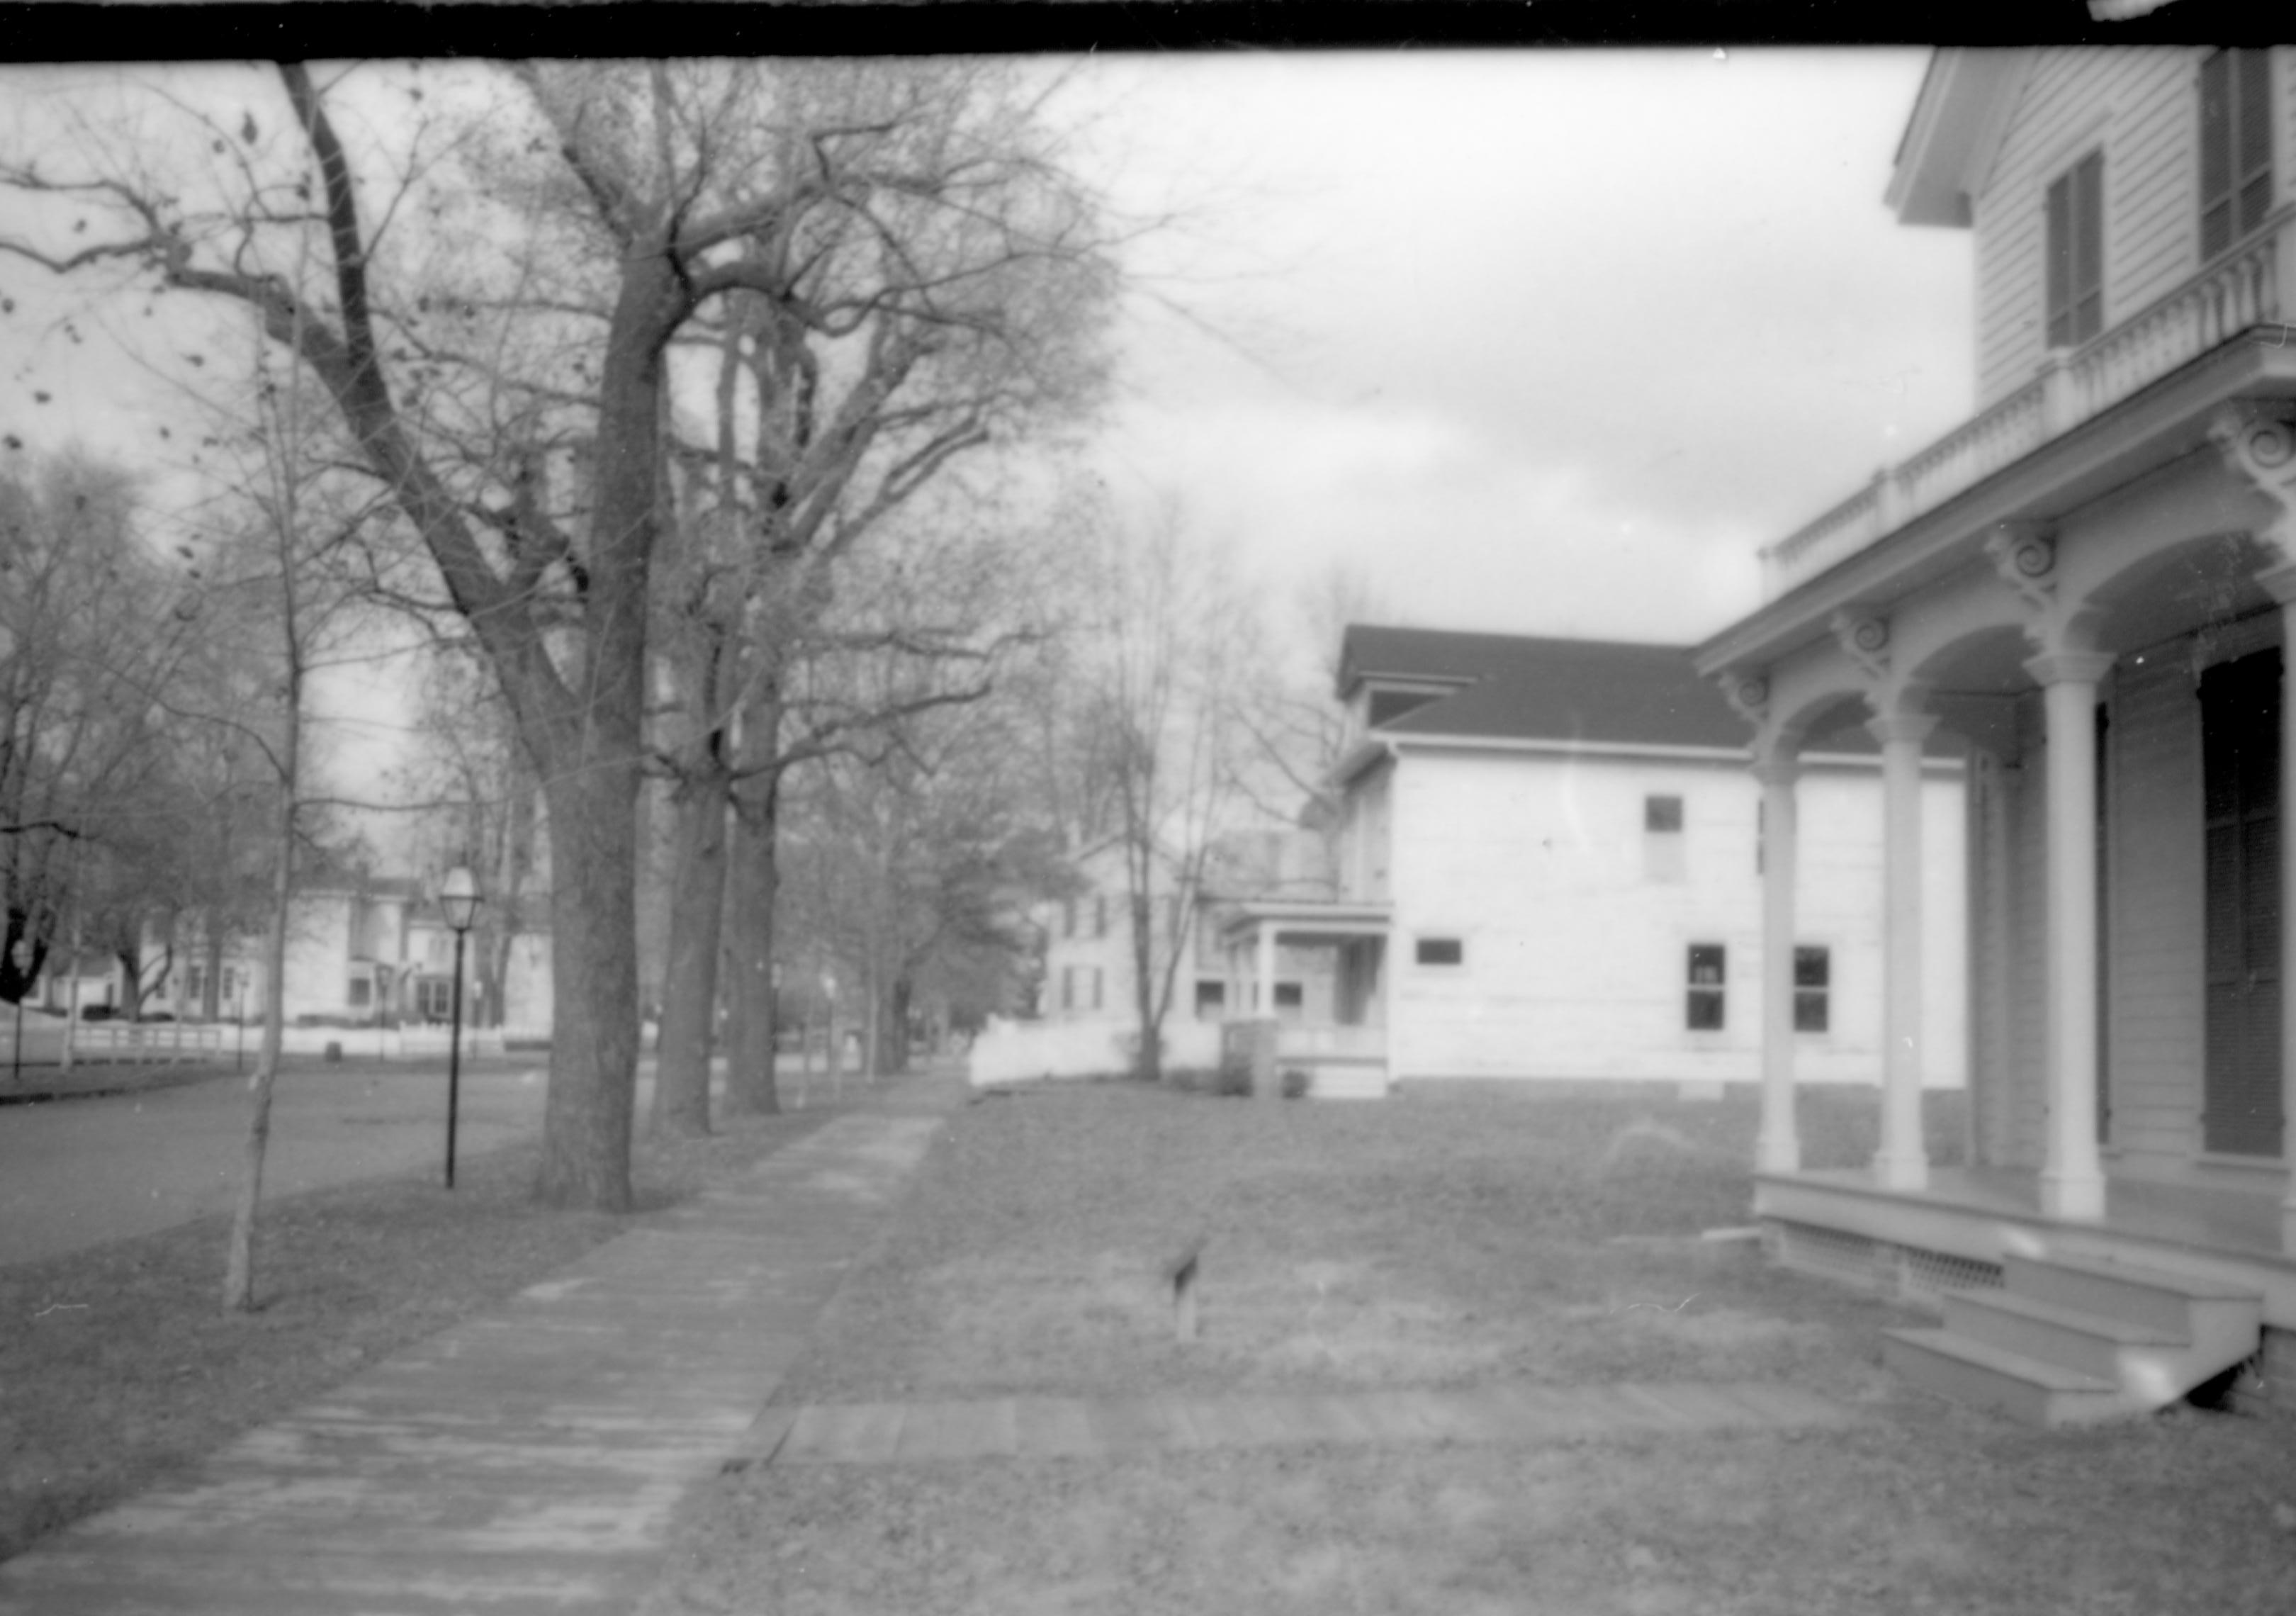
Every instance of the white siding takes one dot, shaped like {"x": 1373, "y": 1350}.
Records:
{"x": 2140, "y": 106}
{"x": 1576, "y": 958}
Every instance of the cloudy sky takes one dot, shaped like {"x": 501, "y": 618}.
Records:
{"x": 1535, "y": 341}
{"x": 1542, "y": 341}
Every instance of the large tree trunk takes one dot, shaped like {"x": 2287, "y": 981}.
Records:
{"x": 893, "y": 1032}
{"x": 689, "y": 1005}
{"x": 586, "y": 1117}
{"x": 750, "y": 1085}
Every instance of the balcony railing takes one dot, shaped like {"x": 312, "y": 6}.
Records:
{"x": 2237, "y": 294}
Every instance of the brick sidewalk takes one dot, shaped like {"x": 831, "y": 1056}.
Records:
{"x": 529, "y": 1459}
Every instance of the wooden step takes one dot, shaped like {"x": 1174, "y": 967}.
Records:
{"x": 2089, "y": 1343}
{"x": 2119, "y": 1290}
{"x": 1985, "y": 1376}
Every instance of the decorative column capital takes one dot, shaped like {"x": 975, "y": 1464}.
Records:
{"x": 1901, "y": 723}
{"x": 2070, "y": 667}
{"x": 2258, "y": 439}
{"x": 1777, "y": 765}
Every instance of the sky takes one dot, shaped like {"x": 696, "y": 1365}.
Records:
{"x": 1541, "y": 343}
{"x": 1532, "y": 341}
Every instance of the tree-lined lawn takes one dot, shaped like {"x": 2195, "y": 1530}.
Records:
{"x": 1441, "y": 1242}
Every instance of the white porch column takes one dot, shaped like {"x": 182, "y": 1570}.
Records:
{"x": 1778, "y": 1149}
{"x": 1264, "y": 964}
{"x": 2072, "y": 1180}
{"x": 1902, "y": 1163}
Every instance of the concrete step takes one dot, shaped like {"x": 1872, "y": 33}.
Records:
{"x": 1985, "y": 1376}
{"x": 2089, "y": 1343}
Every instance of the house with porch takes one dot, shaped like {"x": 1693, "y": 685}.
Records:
{"x": 1089, "y": 967}
{"x": 1547, "y": 863}
{"x": 2087, "y": 590}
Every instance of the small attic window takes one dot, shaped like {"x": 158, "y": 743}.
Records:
{"x": 1389, "y": 705}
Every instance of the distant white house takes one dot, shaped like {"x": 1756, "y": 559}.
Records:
{"x": 1089, "y": 954}
{"x": 361, "y": 951}
{"x": 1548, "y": 865}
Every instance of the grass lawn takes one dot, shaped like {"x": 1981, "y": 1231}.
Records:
{"x": 117, "y": 1367}
{"x": 1440, "y": 1241}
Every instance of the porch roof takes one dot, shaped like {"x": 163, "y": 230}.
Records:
{"x": 2151, "y": 428}
{"x": 1333, "y": 922}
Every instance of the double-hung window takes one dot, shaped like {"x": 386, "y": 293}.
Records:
{"x": 2076, "y": 252}
{"x": 1707, "y": 968}
{"x": 1813, "y": 974}
{"x": 2236, "y": 146}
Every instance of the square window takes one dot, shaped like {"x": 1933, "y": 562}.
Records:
{"x": 1440, "y": 951}
{"x": 1288, "y": 996}
{"x": 1212, "y": 998}
{"x": 1662, "y": 815}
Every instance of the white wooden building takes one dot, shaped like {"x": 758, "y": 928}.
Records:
{"x": 2087, "y": 588}
{"x": 1548, "y": 859}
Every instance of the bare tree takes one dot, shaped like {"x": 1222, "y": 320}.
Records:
{"x": 1156, "y": 695}
{"x": 632, "y": 196}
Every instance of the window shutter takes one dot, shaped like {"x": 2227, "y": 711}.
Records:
{"x": 2088, "y": 247}
{"x": 2060, "y": 288}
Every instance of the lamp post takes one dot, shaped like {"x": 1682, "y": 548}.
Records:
{"x": 22, "y": 954}
{"x": 459, "y": 898}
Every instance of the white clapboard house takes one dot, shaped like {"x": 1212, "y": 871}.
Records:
{"x": 2086, "y": 590}
{"x": 1548, "y": 858}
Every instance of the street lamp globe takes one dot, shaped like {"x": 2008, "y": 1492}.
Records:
{"x": 459, "y": 898}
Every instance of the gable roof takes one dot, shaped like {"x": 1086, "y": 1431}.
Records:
{"x": 1949, "y": 145}
{"x": 1524, "y": 688}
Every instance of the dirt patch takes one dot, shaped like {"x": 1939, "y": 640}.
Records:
{"x": 1435, "y": 1245}
{"x": 118, "y": 1369}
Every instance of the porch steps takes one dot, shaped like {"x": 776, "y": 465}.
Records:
{"x": 2074, "y": 1342}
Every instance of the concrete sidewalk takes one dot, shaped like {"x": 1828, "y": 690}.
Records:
{"x": 529, "y": 1459}
{"x": 1115, "y": 1428}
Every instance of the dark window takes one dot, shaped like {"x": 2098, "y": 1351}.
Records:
{"x": 1212, "y": 998}
{"x": 1068, "y": 918}
{"x": 1706, "y": 988}
{"x": 2235, "y": 147}
{"x": 1813, "y": 979}
{"x": 362, "y": 992}
{"x": 1389, "y": 705}
{"x": 1662, "y": 815}
{"x": 1441, "y": 951}
{"x": 1100, "y": 915}
{"x": 2076, "y": 253}
{"x": 1288, "y": 996}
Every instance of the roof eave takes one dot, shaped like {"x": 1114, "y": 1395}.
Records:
{"x": 1958, "y": 123}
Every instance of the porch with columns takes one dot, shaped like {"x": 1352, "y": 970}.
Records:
{"x": 1348, "y": 1056}
{"x": 2052, "y": 629}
